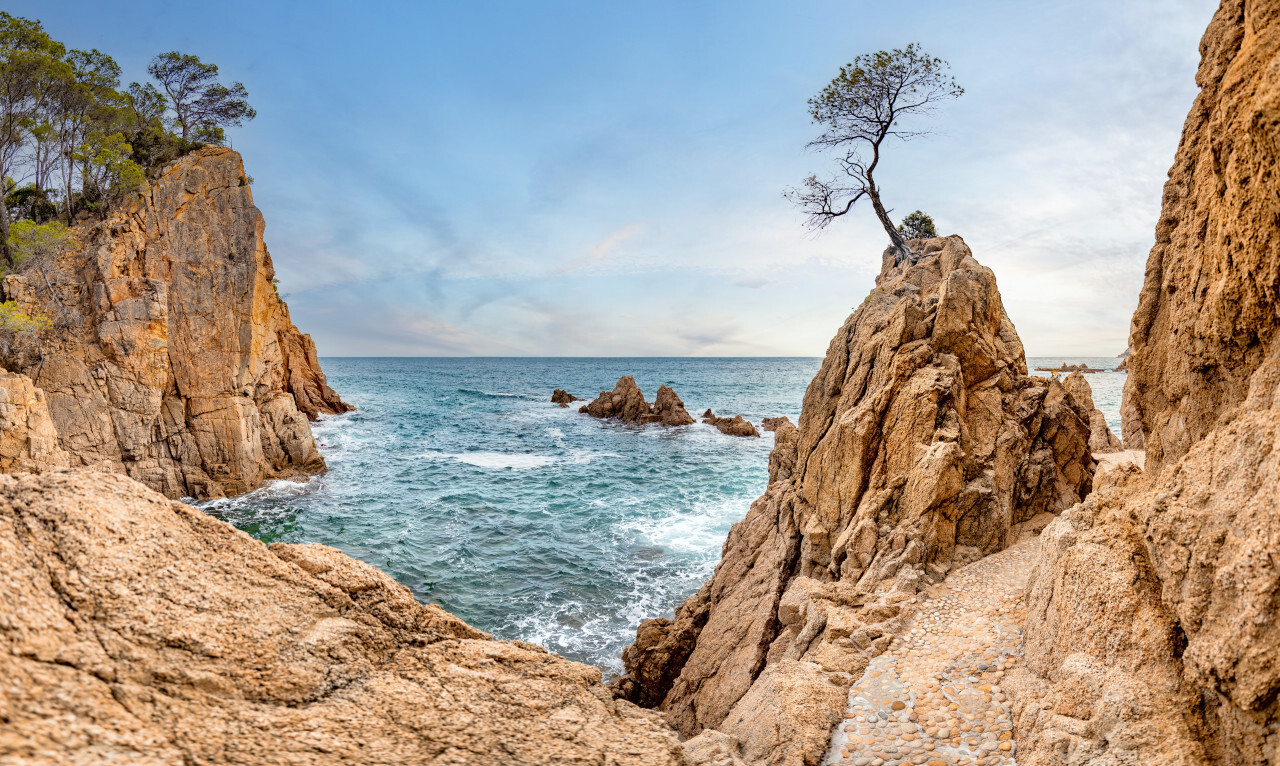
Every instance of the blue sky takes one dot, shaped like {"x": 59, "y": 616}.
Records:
{"x": 459, "y": 178}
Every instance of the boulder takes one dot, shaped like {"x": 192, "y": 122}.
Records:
{"x": 1152, "y": 635}
{"x": 625, "y": 402}
{"x": 563, "y": 398}
{"x": 28, "y": 439}
{"x": 174, "y": 359}
{"x": 138, "y": 630}
{"x": 772, "y": 424}
{"x": 921, "y": 442}
{"x": 669, "y": 410}
{"x": 1101, "y": 440}
{"x": 734, "y": 426}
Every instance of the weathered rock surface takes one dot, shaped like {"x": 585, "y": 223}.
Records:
{"x": 626, "y": 403}
{"x": 734, "y": 426}
{"x": 1130, "y": 420}
{"x": 921, "y": 443}
{"x": 782, "y": 458}
{"x": 28, "y": 440}
{"x": 1100, "y": 437}
{"x": 1154, "y": 635}
{"x": 563, "y": 398}
{"x": 172, "y": 358}
{"x": 135, "y": 629}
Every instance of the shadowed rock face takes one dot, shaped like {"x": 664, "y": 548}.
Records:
{"x": 1153, "y": 634}
{"x": 1101, "y": 440}
{"x": 138, "y": 630}
{"x": 921, "y": 442}
{"x": 172, "y": 358}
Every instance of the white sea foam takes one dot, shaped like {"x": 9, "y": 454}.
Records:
{"x": 494, "y": 459}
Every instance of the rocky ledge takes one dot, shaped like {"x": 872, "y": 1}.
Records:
{"x": 135, "y": 629}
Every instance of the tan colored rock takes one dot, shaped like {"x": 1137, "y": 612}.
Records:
{"x": 625, "y": 402}
{"x": 734, "y": 426}
{"x": 921, "y": 443}
{"x": 1155, "y": 630}
{"x": 669, "y": 410}
{"x": 782, "y": 459}
{"x": 563, "y": 398}
{"x": 138, "y": 630}
{"x": 28, "y": 440}
{"x": 1130, "y": 420}
{"x": 1101, "y": 440}
{"x": 172, "y": 358}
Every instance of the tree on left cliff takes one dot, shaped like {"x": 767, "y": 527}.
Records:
{"x": 872, "y": 99}
{"x": 202, "y": 106}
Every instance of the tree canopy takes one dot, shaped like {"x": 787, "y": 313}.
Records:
{"x": 917, "y": 225}
{"x": 872, "y": 99}
{"x": 72, "y": 140}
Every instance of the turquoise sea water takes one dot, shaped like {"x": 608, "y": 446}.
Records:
{"x": 459, "y": 478}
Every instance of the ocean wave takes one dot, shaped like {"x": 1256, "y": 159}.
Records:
{"x": 493, "y": 394}
{"x": 494, "y": 459}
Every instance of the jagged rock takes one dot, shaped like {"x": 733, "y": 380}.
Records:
{"x": 782, "y": 459}
{"x": 1130, "y": 420}
{"x": 669, "y": 410}
{"x": 708, "y": 413}
{"x": 1101, "y": 439}
{"x": 626, "y": 403}
{"x": 138, "y": 630}
{"x": 172, "y": 358}
{"x": 1154, "y": 636}
{"x": 734, "y": 426}
{"x": 921, "y": 442}
{"x": 563, "y": 398}
{"x": 28, "y": 440}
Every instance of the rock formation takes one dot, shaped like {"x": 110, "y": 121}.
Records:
{"x": 172, "y": 358}
{"x": 626, "y": 403}
{"x": 1130, "y": 420}
{"x": 563, "y": 398}
{"x": 769, "y": 424}
{"x": 734, "y": 426}
{"x": 138, "y": 630}
{"x": 1153, "y": 634}
{"x": 782, "y": 458}
{"x": 1101, "y": 439}
{"x": 921, "y": 442}
{"x": 28, "y": 440}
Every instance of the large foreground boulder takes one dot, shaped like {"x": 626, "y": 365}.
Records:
{"x": 1153, "y": 635}
{"x": 138, "y": 630}
{"x": 921, "y": 442}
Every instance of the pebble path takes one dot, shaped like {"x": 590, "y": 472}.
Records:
{"x": 934, "y": 698}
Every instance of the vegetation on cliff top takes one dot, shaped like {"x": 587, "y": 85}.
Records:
{"x": 73, "y": 141}
{"x": 861, "y": 107}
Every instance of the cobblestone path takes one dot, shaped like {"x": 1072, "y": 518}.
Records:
{"x": 933, "y": 698}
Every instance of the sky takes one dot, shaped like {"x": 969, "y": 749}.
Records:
{"x": 605, "y": 179}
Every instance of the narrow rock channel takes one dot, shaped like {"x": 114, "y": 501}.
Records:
{"x": 934, "y": 697}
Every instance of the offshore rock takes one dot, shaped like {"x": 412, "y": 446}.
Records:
{"x": 28, "y": 440}
{"x": 626, "y": 403}
{"x": 734, "y": 426}
{"x": 172, "y": 358}
{"x": 138, "y": 630}
{"x": 563, "y": 398}
{"x": 921, "y": 443}
{"x": 1101, "y": 440}
{"x": 1153, "y": 635}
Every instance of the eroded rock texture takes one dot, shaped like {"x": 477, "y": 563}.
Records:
{"x": 135, "y": 629}
{"x": 921, "y": 442}
{"x": 28, "y": 440}
{"x": 172, "y": 358}
{"x": 1101, "y": 439}
{"x": 627, "y": 403}
{"x": 1152, "y": 633}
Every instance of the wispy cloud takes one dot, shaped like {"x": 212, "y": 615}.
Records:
{"x": 599, "y": 251}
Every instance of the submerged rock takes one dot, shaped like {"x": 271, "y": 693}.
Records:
{"x": 1152, "y": 635}
{"x": 921, "y": 442}
{"x": 138, "y": 630}
{"x": 173, "y": 358}
{"x": 1101, "y": 439}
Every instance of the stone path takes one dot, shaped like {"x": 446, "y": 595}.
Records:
{"x": 934, "y": 698}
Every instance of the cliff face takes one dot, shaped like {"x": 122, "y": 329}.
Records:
{"x": 135, "y": 629}
{"x": 921, "y": 442}
{"x": 172, "y": 358}
{"x": 1152, "y": 635}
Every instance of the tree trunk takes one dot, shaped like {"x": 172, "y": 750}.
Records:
{"x": 894, "y": 237}
{"x": 4, "y": 233}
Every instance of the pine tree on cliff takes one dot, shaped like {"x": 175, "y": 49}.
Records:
{"x": 202, "y": 106}
{"x": 864, "y": 105}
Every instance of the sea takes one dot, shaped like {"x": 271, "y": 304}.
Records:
{"x": 460, "y": 479}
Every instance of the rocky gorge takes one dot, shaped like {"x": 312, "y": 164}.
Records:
{"x": 953, "y": 562}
